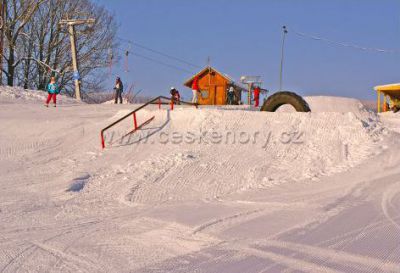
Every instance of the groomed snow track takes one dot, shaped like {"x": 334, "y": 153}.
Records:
{"x": 316, "y": 192}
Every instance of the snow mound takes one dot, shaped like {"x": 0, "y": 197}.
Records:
{"x": 214, "y": 153}
{"x": 124, "y": 101}
{"x": 330, "y": 104}
{"x": 13, "y": 94}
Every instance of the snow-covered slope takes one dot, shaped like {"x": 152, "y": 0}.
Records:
{"x": 231, "y": 151}
{"x": 199, "y": 190}
{"x": 124, "y": 101}
{"x": 328, "y": 104}
{"x": 20, "y": 95}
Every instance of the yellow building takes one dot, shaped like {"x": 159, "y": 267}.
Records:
{"x": 391, "y": 96}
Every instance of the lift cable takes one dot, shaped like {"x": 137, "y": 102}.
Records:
{"x": 155, "y": 61}
{"x": 162, "y": 63}
{"x": 344, "y": 44}
{"x": 159, "y": 52}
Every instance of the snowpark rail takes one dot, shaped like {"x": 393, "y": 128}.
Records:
{"x": 157, "y": 101}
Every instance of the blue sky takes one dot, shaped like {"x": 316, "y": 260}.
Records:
{"x": 244, "y": 38}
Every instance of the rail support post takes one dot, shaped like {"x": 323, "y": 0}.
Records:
{"x": 135, "y": 121}
{"x": 159, "y": 104}
{"x": 103, "y": 144}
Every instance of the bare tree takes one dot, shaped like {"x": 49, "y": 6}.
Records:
{"x": 18, "y": 14}
{"x": 41, "y": 47}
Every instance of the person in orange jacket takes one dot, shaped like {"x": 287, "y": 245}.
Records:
{"x": 257, "y": 96}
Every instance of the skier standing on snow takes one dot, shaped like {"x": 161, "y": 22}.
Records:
{"x": 257, "y": 96}
{"x": 195, "y": 90}
{"x": 231, "y": 95}
{"x": 52, "y": 90}
{"x": 119, "y": 88}
{"x": 175, "y": 96}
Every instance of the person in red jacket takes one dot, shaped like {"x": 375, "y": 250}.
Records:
{"x": 257, "y": 96}
{"x": 195, "y": 89}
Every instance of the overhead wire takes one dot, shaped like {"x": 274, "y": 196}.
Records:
{"x": 126, "y": 58}
{"x": 162, "y": 63}
{"x": 159, "y": 53}
{"x": 344, "y": 44}
{"x": 155, "y": 61}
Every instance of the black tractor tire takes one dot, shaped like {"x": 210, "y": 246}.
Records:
{"x": 278, "y": 99}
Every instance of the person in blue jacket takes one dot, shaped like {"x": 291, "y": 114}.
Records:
{"x": 53, "y": 90}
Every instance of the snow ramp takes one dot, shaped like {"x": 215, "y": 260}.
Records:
{"x": 211, "y": 153}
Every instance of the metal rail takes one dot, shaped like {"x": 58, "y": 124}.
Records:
{"x": 137, "y": 127}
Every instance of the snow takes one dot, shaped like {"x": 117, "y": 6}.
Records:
{"x": 214, "y": 189}
{"x": 124, "y": 101}
{"x": 17, "y": 94}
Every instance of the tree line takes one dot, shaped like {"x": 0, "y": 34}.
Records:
{"x": 37, "y": 47}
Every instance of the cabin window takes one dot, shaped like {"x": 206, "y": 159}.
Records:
{"x": 204, "y": 94}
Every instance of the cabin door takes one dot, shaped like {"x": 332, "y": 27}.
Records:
{"x": 220, "y": 95}
{"x": 212, "y": 95}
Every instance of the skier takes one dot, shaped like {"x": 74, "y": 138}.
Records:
{"x": 257, "y": 96}
{"x": 195, "y": 90}
{"x": 231, "y": 95}
{"x": 119, "y": 88}
{"x": 175, "y": 95}
{"x": 53, "y": 90}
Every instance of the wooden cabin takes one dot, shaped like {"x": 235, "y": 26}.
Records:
{"x": 213, "y": 87}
